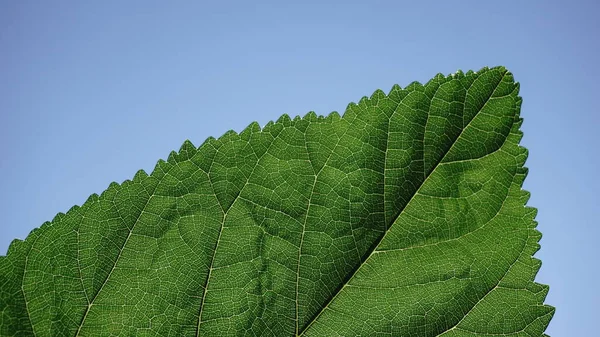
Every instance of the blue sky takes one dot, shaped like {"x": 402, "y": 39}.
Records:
{"x": 90, "y": 92}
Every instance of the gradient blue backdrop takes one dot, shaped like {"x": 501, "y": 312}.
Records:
{"x": 91, "y": 92}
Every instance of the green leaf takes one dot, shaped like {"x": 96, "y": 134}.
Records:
{"x": 404, "y": 217}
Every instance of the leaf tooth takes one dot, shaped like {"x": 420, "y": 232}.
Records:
{"x": 333, "y": 116}
{"x": 15, "y": 247}
{"x": 363, "y": 100}
{"x": 378, "y": 94}
{"x": 457, "y": 74}
{"x": 188, "y": 148}
{"x": 284, "y": 119}
{"x": 251, "y": 128}
{"x": 414, "y": 86}
{"x": 172, "y": 158}
{"x": 268, "y": 126}
{"x": 94, "y": 197}
{"x": 159, "y": 168}
{"x": 207, "y": 141}
{"x": 439, "y": 77}
{"x": 229, "y": 135}
{"x": 139, "y": 175}
{"x": 311, "y": 116}
{"x": 395, "y": 87}
{"x": 349, "y": 107}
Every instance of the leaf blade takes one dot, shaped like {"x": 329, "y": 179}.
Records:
{"x": 383, "y": 215}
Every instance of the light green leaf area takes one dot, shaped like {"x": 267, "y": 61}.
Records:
{"x": 404, "y": 217}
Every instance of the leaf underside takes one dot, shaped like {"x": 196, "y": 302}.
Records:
{"x": 404, "y": 217}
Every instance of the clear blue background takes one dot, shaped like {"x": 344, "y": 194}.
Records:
{"x": 90, "y": 93}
